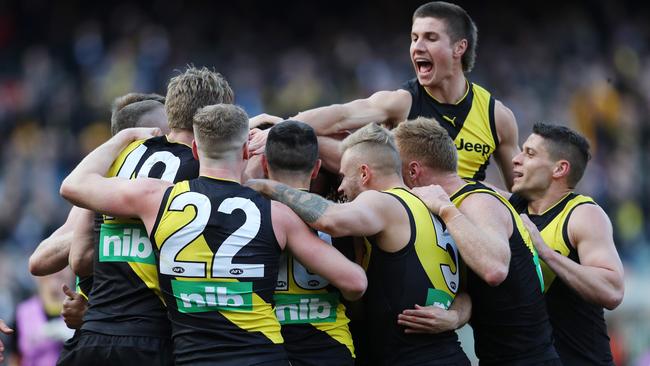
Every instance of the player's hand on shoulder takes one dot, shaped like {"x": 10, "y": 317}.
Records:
{"x": 433, "y": 196}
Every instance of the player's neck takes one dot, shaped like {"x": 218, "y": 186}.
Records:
{"x": 450, "y": 182}
{"x": 382, "y": 183}
{"x": 229, "y": 170}
{"x": 294, "y": 182}
{"x": 450, "y": 90}
{"x": 181, "y": 136}
{"x": 541, "y": 202}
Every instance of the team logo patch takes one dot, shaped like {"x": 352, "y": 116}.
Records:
{"x": 439, "y": 298}
{"x": 205, "y": 296}
{"x": 125, "y": 243}
{"x": 306, "y": 308}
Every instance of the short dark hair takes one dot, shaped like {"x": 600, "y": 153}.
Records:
{"x": 129, "y": 115}
{"x": 565, "y": 143}
{"x": 459, "y": 26}
{"x": 124, "y": 100}
{"x": 292, "y": 146}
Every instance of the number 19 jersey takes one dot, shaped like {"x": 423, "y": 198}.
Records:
{"x": 218, "y": 266}
{"x": 125, "y": 298}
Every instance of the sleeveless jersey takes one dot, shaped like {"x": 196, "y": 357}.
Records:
{"x": 510, "y": 322}
{"x": 125, "y": 298}
{"x": 218, "y": 269}
{"x": 313, "y": 320}
{"x": 424, "y": 272}
{"x": 579, "y": 326}
{"x": 470, "y": 124}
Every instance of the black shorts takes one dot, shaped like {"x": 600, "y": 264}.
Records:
{"x": 98, "y": 349}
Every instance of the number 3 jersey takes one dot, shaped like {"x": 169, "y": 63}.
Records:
{"x": 218, "y": 268}
{"x": 314, "y": 323}
{"x": 125, "y": 298}
{"x": 424, "y": 272}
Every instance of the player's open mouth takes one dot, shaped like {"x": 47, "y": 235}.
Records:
{"x": 423, "y": 66}
{"x": 516, "y": 175}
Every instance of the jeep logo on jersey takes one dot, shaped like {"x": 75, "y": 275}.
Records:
{"x": 125, "y": 243}
{"x": 198, "y": 297}
{"x": 236, "y": 271}
{"x": 483, "y": 149}
{"x": 306, "y": 308}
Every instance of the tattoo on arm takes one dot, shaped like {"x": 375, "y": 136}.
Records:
{"x": 310, "y": 207}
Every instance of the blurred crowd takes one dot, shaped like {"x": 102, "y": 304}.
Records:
{"x": 584, "y": 64}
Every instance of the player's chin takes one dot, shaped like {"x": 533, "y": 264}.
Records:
{"x": 425, "y": 79}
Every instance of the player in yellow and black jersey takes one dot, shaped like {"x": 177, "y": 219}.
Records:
{"x": 318, "y": 338}
{"x": 412, "y": 260}
{"x": 582, "y": 270}
{"x": 504, "y": 278}
{"x": 469, "y": 122}
{"x": 218, "y": 243}
{"x": 443, "y": 49}
{"x": 126, "y": 321}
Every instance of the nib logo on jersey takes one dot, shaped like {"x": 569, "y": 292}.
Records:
{"x": 125, "y": 243}
{"x": 199, "y": 297}
{"x": 306, "y": 308}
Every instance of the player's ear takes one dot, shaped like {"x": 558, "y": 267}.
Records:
{"x": 314, "y": 172}
{"x": 366, "y": 174}
{"x": 195, "y": 151}
{"x": 246, "y": 153}
{"x": 561, "y": 169}
{"x": 460, "y": 47}
{"x": 265, "y": 166}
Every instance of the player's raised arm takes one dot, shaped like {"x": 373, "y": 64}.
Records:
{"x": 383, "y": 106}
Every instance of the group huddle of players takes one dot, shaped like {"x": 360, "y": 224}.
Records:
{"x": 231, "y": 247}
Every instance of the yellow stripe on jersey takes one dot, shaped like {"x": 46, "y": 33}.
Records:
{"x": 475, "y": 142}
{"x": 553, "y": 234}
{"x": 433, "y": 256}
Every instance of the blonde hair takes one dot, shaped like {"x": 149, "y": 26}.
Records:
{"x": 194, "y": 89}
{"x": 377, "y": 147}
{"x": 220, "y": 130}
{"x": 425, "y": 140}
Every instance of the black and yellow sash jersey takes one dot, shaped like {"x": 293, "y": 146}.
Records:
{"x": 424, "y": 272}
{"x": 218, "y": 265}
{"x": 314, "y": 324}
{"x": 470, "y": 123}
{"x": 510, "y": 322}
{"x": 579, "y": 326}
{"x": 125, "y": 298}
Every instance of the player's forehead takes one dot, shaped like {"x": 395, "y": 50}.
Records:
{"x": 428, "y": 25}
{"x": 535, "y": 142}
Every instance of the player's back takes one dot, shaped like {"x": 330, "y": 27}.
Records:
{"x": 125, "y": 298}
{"x": 218, "y": 269}
{"x": 424, "y": 272}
